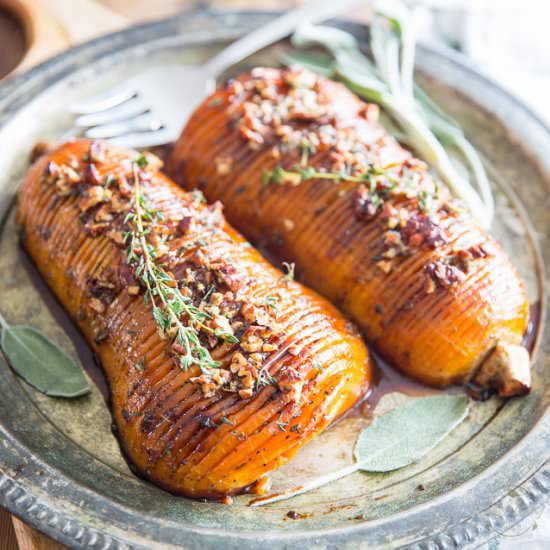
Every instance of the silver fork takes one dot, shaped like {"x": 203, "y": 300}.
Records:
{"x": 151, "y": 108}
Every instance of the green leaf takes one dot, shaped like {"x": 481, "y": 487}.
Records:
{"x": 331, "y": 38}
{"x": 142, "y": 161}
{"x": 42, "y": 363}
{"x": 315, "y": 63}
{"x": 394, "y": 440}
{"x": 407, "y": 433}
{"x": 228, "y": 337}
{"x": 385, "y": 49}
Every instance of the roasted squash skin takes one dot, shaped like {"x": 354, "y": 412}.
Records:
{"x": 202, "y": 444}
{"x": 434, "y": 310}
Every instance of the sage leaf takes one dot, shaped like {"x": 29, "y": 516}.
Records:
{"x": 407, "y": 433}
{"x": 393, "y": 440}
{"x": 41, "y": 362}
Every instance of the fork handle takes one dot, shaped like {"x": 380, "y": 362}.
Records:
{"x": 311, "y": 12}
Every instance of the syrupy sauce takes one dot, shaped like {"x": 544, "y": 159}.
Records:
{"x": 12, "y": 42}
{"x": 387, "y": 380}
{"x": 87, "y": 357}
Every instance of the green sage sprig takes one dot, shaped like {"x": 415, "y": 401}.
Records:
{"x": 388, "y": 81}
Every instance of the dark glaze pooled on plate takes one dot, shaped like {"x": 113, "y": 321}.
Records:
{"x": 303, "y": 166}
{"x": 283, "y": 363}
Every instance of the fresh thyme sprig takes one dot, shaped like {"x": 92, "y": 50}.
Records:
{"x": 169, "y": 305}
{"x": 303, "y": 172}
{"x": 264, "y": 379}
{"x": 380, "y": 183}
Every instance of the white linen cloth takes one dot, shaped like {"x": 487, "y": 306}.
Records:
{"x": 509, "y": 40}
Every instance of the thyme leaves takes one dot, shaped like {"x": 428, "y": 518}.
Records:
{"x": 380, "y": 183}
{"x": 169, "y": 305}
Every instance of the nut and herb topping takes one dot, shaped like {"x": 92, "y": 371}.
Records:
{"x": 452, "y": 269}
{"x": 299, "y": 117}
{"x": 197, "y": 299}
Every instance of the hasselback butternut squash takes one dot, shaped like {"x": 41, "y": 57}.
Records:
{"x": 220, "y": 367}
{"x": 304, "y": 168}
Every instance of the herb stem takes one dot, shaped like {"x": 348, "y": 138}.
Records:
{"x": 152, "y": 268}
{"x": 156, "y": 289}
{"x": 310, "y": 486}
{"x": 3, "y": 323}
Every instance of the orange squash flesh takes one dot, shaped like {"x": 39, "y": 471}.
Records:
{"x": 436, "y": 333}
{"x": 203, "y": 445}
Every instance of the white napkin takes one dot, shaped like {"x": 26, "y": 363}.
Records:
{"x": 507, "y": 39}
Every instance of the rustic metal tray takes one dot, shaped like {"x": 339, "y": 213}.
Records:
{"x": 61, "y": 469}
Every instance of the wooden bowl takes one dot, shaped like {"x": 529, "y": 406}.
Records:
{"x": 42, "y": 35}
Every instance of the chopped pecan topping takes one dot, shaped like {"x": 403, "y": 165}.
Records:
{"x": 246, "y": 393}
{"x": 94, "y": 195}
{"x": 96, "y": 229}
{"x": 97, "y": 305}
{"x": 385, "y": 266}
{"x": 103, "y": 290}
{"x": 223, "y": 165}
{"x": 229, "y": 275}
{"x": 291, "y": 383}
{"x": 421, "y": 231}
{"x": 64, "y": 177}
{"x": 186, "y": 225}
{"x": 464, "y": 258}
{"x": 365, "y": 207}
{"x": 125, "y": 275}
{"x": 444, "y": 275}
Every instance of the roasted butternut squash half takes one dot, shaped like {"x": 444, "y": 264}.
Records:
{"x": 220, "y": 367}
{"x": 304, "y": 168}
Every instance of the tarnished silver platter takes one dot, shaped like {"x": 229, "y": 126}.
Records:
{"x": 60, "y": 466}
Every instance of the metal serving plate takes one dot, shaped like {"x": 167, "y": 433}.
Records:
{"x": 60, "y": 466}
